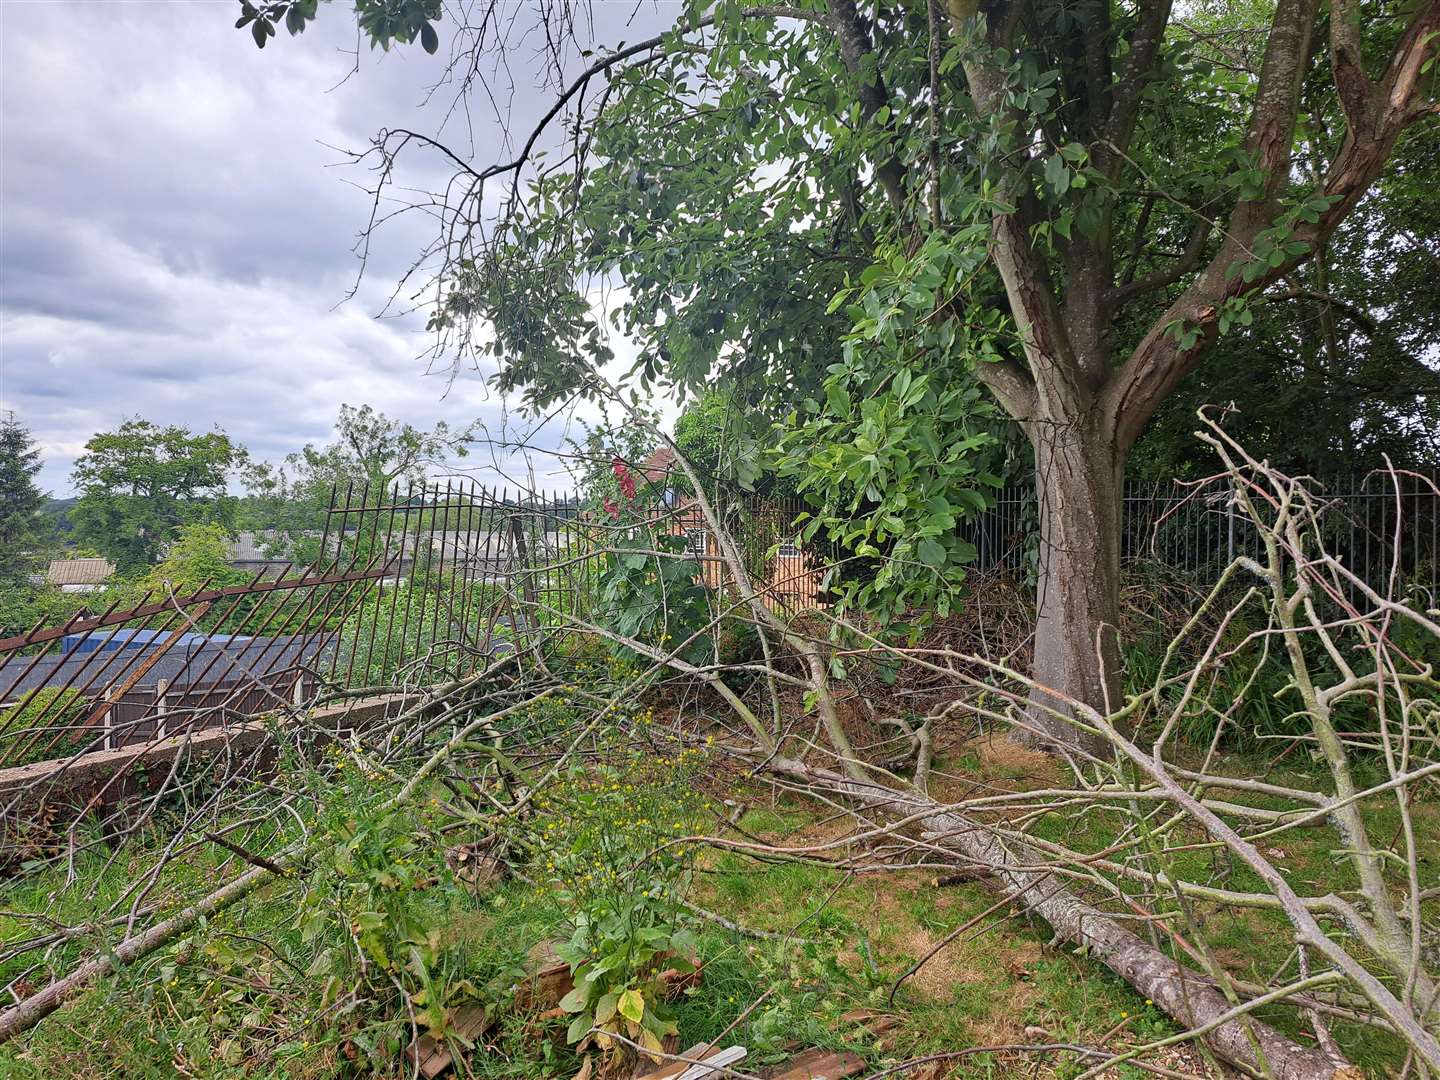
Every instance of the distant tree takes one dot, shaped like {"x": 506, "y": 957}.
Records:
{"x": 139, "y": 485}
{"x": 21, "y": 527}
{"x": 368, "y": 456}
{"x": 369, "y": 453}
{"x": 56, "y": 516}
{"x": 24, "y": 606}
{"x": 199, "y": 558}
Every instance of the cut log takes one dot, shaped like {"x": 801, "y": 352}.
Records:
{"x": 1189, "y": 997}
{"x": 431, "y": 1057}
{"x": 820, "y": 1065}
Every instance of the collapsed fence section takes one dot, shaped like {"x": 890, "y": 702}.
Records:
{"x": 366, "y": 607}
{"x": 413, "y": 585}
{"x": 386, "y": 590}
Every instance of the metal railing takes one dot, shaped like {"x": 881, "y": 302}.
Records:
{"x": 414, "y": 586}
{"x": 1197, "y": 531}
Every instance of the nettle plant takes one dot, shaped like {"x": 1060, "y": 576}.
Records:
{"x": 611, "y": 839}
{"x": 376, "y": 910}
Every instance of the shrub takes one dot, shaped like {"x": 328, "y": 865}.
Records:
{"x": 610, "y": 840}
{"x": 51, "y": 724}
{"x": 376, "y": 912}
{"x": 655, "y": 599}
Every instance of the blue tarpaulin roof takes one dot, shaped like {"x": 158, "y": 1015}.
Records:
{"x": 78, "y": 644}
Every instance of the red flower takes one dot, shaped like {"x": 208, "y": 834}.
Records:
{"x": 611, "y": 509}
{"x": 622, "y": 474}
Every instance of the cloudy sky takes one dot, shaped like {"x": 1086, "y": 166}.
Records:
{"x": 176, "y": 226}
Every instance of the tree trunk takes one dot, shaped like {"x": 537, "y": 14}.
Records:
{"x": 1187, "y": 995}
{"x": 1078, "y": 481}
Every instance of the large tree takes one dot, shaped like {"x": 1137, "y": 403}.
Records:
{"x": 1338, "y": 368}
{"x": 369, "y": 454}
{"x": 1072, "y": 201}
{"x": 21, "y": 526}
{"x": 141, "y": 483}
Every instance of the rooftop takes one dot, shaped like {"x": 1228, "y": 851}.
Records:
{"x": 79, "y": 571}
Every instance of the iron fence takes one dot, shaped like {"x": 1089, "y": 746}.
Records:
{"x": 413, "y": 586}
{"x": 408, "y": 587}
{"x": 1379, "y": 524}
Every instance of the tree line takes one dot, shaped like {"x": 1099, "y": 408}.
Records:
{"x": 162, "y": 503}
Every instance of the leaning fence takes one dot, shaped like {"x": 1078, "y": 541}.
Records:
{"x": 416, "y": 585}
{"x": 383, "y": 592}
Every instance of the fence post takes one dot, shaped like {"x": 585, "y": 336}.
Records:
{"x": 527, "y": 580}
{"x": 1230, "y": 529}
{"x": 161, "y": 707}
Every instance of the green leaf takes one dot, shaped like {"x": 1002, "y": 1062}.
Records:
{"x": 1056, "y": 174}
{"x": 429, "y": 39}
{"x": 575, "y": 1000}
{"x": 606, "y": 1006}
{"x": 578, "y": 1028}
{"x": 632, "y": 1005}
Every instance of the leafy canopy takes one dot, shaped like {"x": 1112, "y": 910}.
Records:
{"x": 369, "y": 455}
{"x": 1072, "y": 205}
{"x": 141, "y": 483}
{"x": 199, "y": 558}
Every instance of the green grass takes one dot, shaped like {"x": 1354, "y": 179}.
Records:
{"x": 860, "y": 934}
{"x": 1252, "y": 944}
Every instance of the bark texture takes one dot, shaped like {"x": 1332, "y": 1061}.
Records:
{"x": 1189, "y": 997}
{"x": 1078, "y": 602}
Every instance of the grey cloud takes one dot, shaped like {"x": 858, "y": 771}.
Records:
{"x": 175, "y": 236}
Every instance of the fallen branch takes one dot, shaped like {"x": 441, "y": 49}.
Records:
{"x": 1188, "y": 996}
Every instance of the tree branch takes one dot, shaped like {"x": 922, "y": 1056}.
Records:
{"x": 1158, "y": 364}
{"x": 1034, "y": 303}
{"x": 1347, "y": 64}
{"x": 1012, "y": 386}
{"x": 1355, "y": 313}
{"x": 853, "y": 37}
{"x": 1125, "y": 105}
{"x": 1188, "y": 261}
